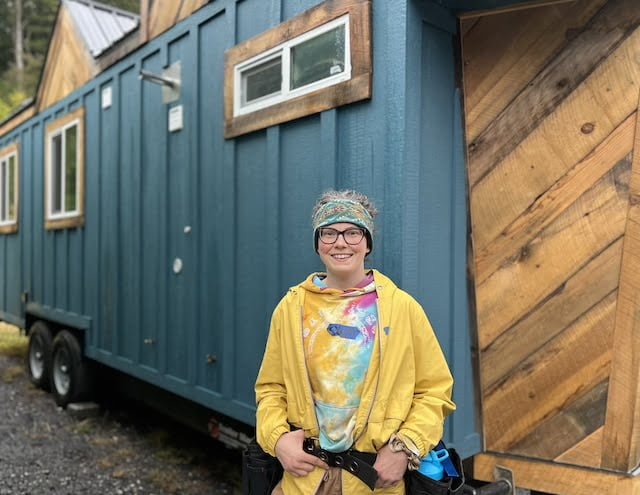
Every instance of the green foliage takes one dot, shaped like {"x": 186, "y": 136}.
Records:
{"x": 12, "y": 342}
{"x": 10, "y": 100}
{"x": 128, "y": 5}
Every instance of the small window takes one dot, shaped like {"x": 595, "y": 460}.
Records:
{"x": 307, "y": 59}
{"x": 9, "y": 190}
{"x": 261, "y": 81}
{"x": 64, "y": 199}
{"x": 322, "y": 58}
{"x": 315, "y": 60}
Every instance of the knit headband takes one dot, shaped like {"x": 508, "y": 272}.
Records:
{"x": 343, "y": 211}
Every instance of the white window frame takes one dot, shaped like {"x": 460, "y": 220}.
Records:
{"x": 61, "y": 131}
{"x": 284, "y": 51}
{"x": 4, "y": 181}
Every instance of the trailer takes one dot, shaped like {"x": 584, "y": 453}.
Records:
{"x": 156, "y": 194}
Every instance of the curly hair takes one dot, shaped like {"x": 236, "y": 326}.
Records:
{"x": 350, "y": 194}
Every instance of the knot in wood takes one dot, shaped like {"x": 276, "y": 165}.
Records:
{"x": 587, "y": 128}
{"x": 524, "y": 253}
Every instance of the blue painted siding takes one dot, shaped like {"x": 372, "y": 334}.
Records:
{"x": 435, "y": 211}
{"x": 237, "y": 212}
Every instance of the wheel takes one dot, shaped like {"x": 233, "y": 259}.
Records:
{"x": 71, "y": 373}
{"x": 39, "y": 355}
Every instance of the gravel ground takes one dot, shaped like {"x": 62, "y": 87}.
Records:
{"x": 44, "y": 450}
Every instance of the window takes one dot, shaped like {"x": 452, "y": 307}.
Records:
{"x": 64, "y": 170}
{"x": 315, "y": 60}
{"x": 320, "y": 59}
{"x": 9, "y": 189}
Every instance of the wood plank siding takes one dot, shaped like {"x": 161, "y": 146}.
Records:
{"x": 551, "y": 107}
{"x": 68, "y": 65}
{"x": 164, "y": 14}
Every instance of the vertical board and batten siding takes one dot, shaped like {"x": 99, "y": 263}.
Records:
{"x": 237, "y": 212}
{"x": 551, "y": 100}
{"x": 434, "y": 240}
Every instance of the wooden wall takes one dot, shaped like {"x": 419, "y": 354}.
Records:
{"x": 68, "y": 66}
{"x": 163, "y": 14}
{"x": 551, "y": 100}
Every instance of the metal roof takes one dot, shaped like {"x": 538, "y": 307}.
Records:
{"x": 101, "y": 26}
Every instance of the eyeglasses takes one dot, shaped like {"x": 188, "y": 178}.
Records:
{"x": 351, "y": 236}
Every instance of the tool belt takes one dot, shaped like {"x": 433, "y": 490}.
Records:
{"x": 261, "y": 472}
{"x": 452, "y": 483}
{"x": 359, "y": 464}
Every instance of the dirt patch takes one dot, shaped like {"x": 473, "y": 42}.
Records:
{"x": 125, "y": 449}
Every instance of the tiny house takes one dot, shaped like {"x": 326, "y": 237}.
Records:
{"x": 155, "y": 205}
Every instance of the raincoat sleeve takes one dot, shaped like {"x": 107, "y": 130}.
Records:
{"x": 432, "y": 402}
{"x": 271, "y": 394}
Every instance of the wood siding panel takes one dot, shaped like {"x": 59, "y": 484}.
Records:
{"x": 165, "y": 14}
{"x": 569, "y": 134}
{"x": 565, "y": 431}
{"x": 621, "y": 445}
{"x": 589, "y": 227}
{"x": 556, "y": 199}
{"x": 69, "y": 65}
{"x": 583, "y": 51}
{"x": 586, "y": 452}
{"x": 569, "y": 301}
{"x": 550, "y": 153}
{"x": 550, "y": 378}
{"x": 497, "y": 73}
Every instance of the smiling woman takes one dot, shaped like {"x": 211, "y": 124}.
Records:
{"x": 336, "y": 407}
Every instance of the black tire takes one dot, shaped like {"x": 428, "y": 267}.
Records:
{"x": 71, "y": 374}
{"x": 39, "y": 355}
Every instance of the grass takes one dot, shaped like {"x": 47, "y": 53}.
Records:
{"x": 117, "y": 458}
{"x": 12, "y": 342}
{"x": 84, "y": 427}
{"x": 165, "y": 480}
{"x": 11, "y": 373}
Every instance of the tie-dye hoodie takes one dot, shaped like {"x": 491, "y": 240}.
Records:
{"x": 339, "y": 329}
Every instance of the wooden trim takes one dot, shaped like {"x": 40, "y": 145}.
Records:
{"x": 21, "y": 117}
{"x": 554, "y": 477}
{"x": 48, "y": 60}
{"x": 355, "y": 89}
{"x": 6, "y": 152}
{"x": 620, "y": 443}
{"x": 145, "y": 12}
{"x": 76, "y": 220}
{"x": 68, "y": 64}
{"x": 512, "y": 8}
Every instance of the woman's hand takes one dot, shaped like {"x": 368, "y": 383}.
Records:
{"x": 391, "y": 467}
{"x": 294, "y": 460}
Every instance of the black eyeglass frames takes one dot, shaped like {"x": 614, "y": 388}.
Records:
{"x": 351, "y": 236}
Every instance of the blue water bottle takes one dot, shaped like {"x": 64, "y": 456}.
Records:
{"x": 431, "y": 465}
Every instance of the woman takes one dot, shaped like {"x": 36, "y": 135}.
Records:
{"x": 352, "y": 373}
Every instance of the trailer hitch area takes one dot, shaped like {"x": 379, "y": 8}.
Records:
{"x": 504, "y": 484}
{"x": 505, "y": 476}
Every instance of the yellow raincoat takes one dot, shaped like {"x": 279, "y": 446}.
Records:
{"x": 407, "y": 388}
